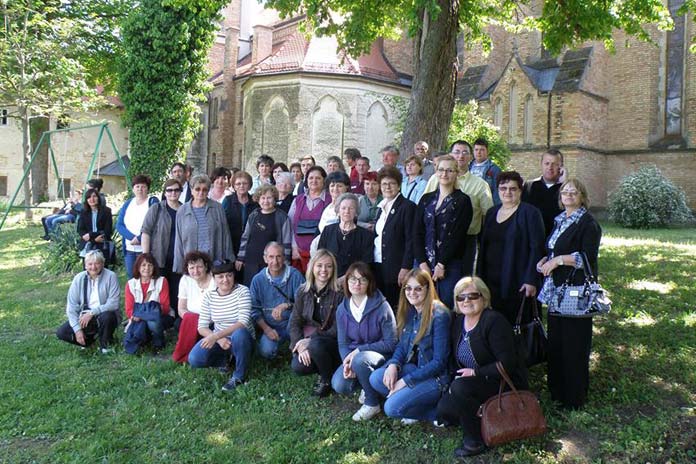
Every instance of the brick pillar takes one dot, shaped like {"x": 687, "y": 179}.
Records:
{"x": 263, "y": 43}
{"x": 229, "y": 111}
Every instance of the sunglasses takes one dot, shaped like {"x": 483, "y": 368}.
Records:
{"x": 473, "y": 296}
{"x": 172, "y": 190}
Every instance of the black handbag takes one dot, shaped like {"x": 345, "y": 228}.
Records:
{"x": 586, "y": 300}
{"x": 530, "y": 338}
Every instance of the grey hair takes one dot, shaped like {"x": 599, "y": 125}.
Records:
{"x": 287, "y": 177}
{"x": 348, "y": 196}
{"x": 273, "y": 244}
{"x": 200, "y": 179}
{"x": 95, "y": 255}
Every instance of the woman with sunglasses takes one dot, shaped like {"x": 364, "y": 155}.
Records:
{"x": 416, "y": 375}
{"x": 570, "y": 339}
{"x": 440, "y": 231}
{"x": 480, "y": 337}
{"x": 158, "y": 238}
{"x": 366, "y": 337}
{"x": 512, "y": 241}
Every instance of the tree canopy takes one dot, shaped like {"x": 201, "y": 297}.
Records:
{"x": 434, "y": 25}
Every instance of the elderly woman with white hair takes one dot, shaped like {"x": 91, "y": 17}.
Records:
{"x": 346, "y": 240}
{"x": 285, "y": 183}
{"x": 92, "y": 307}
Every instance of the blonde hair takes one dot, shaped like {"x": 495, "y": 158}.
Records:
{"x": 478, "y": 284}
{"x": 309, "y": 274}
{"x": 431, "y": 298}
{"x": 450, "y": 158}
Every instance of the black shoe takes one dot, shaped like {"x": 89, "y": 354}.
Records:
{"x": 231, "y": 384}
{"x": 470, "y": 447}
{"x": 46, "y": 237}
{"x": 322, "y": 389}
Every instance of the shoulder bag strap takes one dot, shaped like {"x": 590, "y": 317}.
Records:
{"x": 85, "y": 301}
{"x": 588, "y": 269}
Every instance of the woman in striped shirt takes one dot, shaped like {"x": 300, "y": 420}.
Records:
{"x": 228, "y": 309}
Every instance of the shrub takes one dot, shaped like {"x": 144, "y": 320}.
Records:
{"x": 469, "y": 124}
{"x": 61, "y": 255}
{"x": 646, "y": 199}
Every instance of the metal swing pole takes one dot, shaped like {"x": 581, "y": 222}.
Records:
{"x": 94, "y": 155}
{"x": 21, "y": 182}
{"x": 119, "y": 157}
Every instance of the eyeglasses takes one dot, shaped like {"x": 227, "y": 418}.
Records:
{"x": 357, "y": 280}
{"x": 409, "y": 289}
{"x": 174, "y": 190}
{"x": 443, "y": 171}
{"x": 201, "y": 189}
{"x": 473, "y": 296}
{"x": 509, "y": 189}
{"x": 570, "y": 193}
{"x": 459, "y": 152}
{"x": 386, "y": 184}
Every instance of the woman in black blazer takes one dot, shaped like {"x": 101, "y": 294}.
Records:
{"x": 480, "y": 337}
{"x": 440, "y": 230}
{"x": 95, "y": 224}
{"x": 512, "y": 242}
{"x": 570, "y": 339}
{"x": 393, "y": 253}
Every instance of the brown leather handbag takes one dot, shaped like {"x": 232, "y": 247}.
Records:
{"x": 511, "y": 415}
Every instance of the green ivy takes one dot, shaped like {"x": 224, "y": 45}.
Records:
{"x": 163, "y": 79}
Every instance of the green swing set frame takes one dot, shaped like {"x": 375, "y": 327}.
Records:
{"x": 46, "y": 138}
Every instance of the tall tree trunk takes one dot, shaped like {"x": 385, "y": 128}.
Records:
{"x": 39, "y": 170}
{"x": 434, "y": 80}
{"x": 26, "y": 150}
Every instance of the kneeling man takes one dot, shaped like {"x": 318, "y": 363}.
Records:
{"x": 92, "y": 307}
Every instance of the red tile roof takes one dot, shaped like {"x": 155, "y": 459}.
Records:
{"x": 320, "y": 54}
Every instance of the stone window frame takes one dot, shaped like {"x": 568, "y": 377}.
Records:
{"x": 512, "y": 112}
{"x": 528, "y": 119}
{"x": 498, "y": 113}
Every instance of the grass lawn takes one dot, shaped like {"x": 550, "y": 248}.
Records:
{"x": 62, "y": 404}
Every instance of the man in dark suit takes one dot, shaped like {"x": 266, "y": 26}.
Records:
{"x": 178, "y": 172}
{"x": 542, "y": 192}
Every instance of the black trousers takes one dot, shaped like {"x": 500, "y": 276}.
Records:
{"x": 324, "y": 355}
{"x": 102, "y": 326}
{"x": 460, "y": 403}
{"x": 390, "y": 290}
{"x": 570, "y": 344}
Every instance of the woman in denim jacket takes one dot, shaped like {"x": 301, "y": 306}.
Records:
{"x": 413, "y": 379}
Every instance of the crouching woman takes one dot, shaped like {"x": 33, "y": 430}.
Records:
{"x": 415, "y": 376}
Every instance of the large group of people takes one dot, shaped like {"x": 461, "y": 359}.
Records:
{"x": 403, "y": 284}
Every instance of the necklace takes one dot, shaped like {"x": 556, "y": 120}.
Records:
{"x": 345, "y": 232}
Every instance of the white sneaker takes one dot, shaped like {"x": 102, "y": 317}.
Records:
{"x": 406, "y": 421}
{"x": 438, "y": 424}
{"x": 107, "y": 350}
{"x": 361, "y": 398}
{"x": 366, "y": 412}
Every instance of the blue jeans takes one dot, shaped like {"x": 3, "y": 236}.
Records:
{"x": 419, "y": 402}
{"x": 54, "y": 220}
{"x": 157, "y": 333}
{"x": 241, "y": 349}
{"x": 364, "y": 363}
{"x": 445, "y": 287}
{"x": 268, "y": 349}
{"x": 129, "y": 258}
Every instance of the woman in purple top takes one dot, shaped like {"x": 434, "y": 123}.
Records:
{"x": 366, "y": 337}
{"x": 305, "y": 214}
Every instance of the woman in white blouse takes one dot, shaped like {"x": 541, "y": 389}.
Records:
{"x": 196, "y": 281}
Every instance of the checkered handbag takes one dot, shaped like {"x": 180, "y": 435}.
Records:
{"x": 586, "y": 300}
